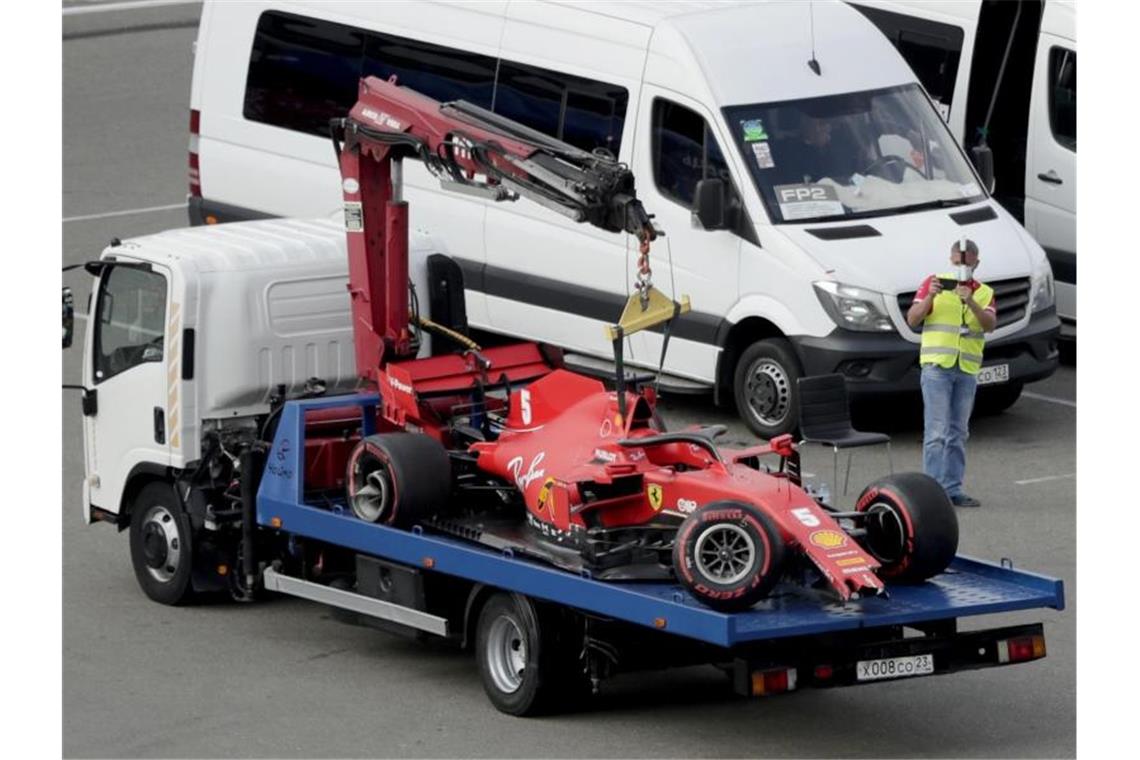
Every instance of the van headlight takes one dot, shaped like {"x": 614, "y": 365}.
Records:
{"x": 854, "y": 308}
{"x": 1044, "y": 292}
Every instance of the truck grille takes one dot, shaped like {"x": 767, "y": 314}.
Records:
{"x": 1012, "y": 297}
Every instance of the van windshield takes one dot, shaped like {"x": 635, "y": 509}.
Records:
{"x": 851, "y": 156}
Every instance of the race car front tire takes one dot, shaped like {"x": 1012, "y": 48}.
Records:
{"x": 728, "y": 554}
{"x": 911, "y": 526}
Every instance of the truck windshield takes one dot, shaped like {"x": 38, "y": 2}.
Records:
{"x": 851, "y": 156}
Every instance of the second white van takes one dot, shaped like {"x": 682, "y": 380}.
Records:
{"x": 804, "y": 180}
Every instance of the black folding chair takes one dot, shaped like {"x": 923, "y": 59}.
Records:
{"x": 825, "y": 418}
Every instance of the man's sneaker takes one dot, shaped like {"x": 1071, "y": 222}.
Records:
{"x": 962, "y": 500}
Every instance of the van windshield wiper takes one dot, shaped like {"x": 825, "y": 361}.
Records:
{"x": 871, "y": 214}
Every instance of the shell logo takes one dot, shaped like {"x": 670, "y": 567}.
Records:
{"x": 828, "y": 539}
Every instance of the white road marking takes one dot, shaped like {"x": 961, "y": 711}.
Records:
{"x": 81, "y": 317}
{"x": 80, "y": 10}
{"x": 1050, "y": 399}
{"x": 125, "y": 212}
{"x": 1044, "y": 479}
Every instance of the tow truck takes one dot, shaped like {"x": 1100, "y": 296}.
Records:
{"x": 246, "y": 478}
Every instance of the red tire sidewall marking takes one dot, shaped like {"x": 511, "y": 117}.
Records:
{"x": 740, "y": 517}
{"x": 900, "y": 504}
{"x": 380, "y": 455}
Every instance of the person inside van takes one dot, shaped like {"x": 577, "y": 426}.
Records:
{"x": 820, "y": 150}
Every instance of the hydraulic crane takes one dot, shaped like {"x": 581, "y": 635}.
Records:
{"x": 472, "y": 151}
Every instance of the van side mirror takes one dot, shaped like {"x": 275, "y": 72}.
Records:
{"x": 68, "y": 317}
{"x": 709, "y": 204}
{"x": 983, "y": 158}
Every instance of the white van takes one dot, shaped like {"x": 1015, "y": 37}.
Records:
{"x": 956, "y": 51}
{"x": 830, "y": 187}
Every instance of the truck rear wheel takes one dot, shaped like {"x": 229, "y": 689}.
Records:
{"x": 912, "y": 528}
{"x": 398, "y": 479}
{"x": 728, "y": 554}
{"x": 520, "y": 661}
{"x": 162, "y": 550}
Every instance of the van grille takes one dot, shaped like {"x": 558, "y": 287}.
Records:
{"x": 1012, "y": 297}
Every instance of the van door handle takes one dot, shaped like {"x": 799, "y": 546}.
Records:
{"x": 159, "y": 425}
{"x": 1051, "y": 177}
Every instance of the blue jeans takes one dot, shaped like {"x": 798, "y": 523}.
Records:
{"x": 947, "y": 399}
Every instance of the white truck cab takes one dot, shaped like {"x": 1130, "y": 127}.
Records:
{"x": 194, "y": 332}
{"x": 804, "y": 180}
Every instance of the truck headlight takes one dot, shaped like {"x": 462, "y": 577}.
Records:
{"x": 854, "y": 308}
{"x": 1044, "y": 292}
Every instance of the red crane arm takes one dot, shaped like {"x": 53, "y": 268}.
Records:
{"x": 472, "y": 151}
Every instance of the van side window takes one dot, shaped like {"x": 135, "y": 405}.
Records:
{"x": 302, "y": 72}
{"x": 932, "y": 49}
{"x": 684, "y": 152}
{"x": 438, "y": 72}
{"x": 1063, "y": 96}
{"x": 131, "y": 320}
{"x": 583, "y": 112}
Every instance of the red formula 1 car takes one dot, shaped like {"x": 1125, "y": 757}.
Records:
{"x": 571, "y": 481}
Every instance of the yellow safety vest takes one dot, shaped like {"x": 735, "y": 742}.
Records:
{"x": 951, "y": 334}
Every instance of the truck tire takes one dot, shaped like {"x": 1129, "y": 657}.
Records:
{"x": 523, "y": 667}
{"x": 162, "y": 546}
{"x": 764, "y": 387}
{"x": 912, "y": 528}
{"x": 728, "y": 555}
{"x": 398, "y": 479}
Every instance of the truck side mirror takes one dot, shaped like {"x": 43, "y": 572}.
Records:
{"x": 983, "y": 158}
{"x": 68, "y": 317}
{"x": 709, "y": 204}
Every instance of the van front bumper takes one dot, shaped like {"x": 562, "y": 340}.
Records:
{"x": 879, "y": 364}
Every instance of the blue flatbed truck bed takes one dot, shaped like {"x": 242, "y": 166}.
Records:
{"x": 793, "y": 627}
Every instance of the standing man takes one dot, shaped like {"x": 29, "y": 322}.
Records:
{"x": 955, "y": 311}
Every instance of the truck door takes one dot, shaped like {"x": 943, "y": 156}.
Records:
{"x": 126, "y": 366}
{"x": 1051, "y": 164}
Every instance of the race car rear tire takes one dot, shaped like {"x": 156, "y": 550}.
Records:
{"x": 398, "y": 479}
{"x": 525, "y": 656}
{"x": 728, "y": 554}
{"x": 912, "y": 528}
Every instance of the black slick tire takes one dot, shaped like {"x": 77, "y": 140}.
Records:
{"x": 764, "y": 387}
{"x": 912, "y": 528}
{"x": 162, "y": 546}
{"x": 728, "y": 555}
{"x": 398, "y": 479}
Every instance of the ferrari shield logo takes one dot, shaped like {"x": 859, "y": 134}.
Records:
{"x": 656, "y": 496}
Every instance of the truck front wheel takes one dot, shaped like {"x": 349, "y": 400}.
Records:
{"x": 764, "y": 386}
{"x": 161, "y": 545}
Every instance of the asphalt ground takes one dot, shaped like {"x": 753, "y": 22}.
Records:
{"x": 284, "y": 679}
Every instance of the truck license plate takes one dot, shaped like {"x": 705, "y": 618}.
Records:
{"x": 998, "y": 373}
{"x": 894, "y": 667}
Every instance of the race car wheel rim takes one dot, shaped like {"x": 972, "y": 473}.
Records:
{"x": 886, "y": 534}
{"x": 371, "y": 499}
{"x": 162, "y": 548}
{"x": 768, "y": 391}
{"x": 506, "y": 654}
{"x": 724, "y": 553}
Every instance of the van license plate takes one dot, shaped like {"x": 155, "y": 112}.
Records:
{"x": 998, "y": 373}
{"x": 894, "y": 667}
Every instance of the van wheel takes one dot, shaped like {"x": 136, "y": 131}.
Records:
{"x": 398, "y": 479}
{"x": 162, "y": 549}
{"x": 764, "y": 386}
{"x": 996, "y": 399}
